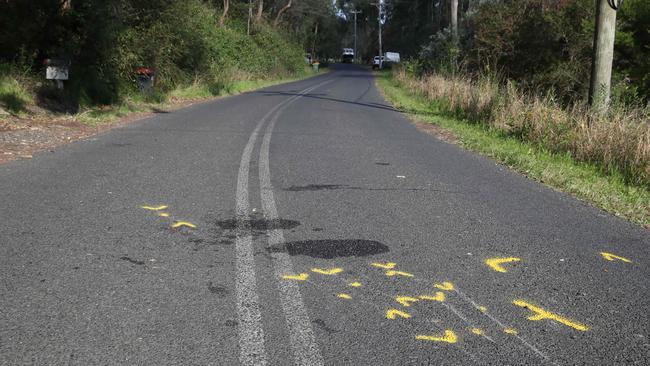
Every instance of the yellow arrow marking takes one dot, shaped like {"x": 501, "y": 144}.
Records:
{"x": 406, "y": 300}
{"x": 541, "y": 314}
{"x": 445, "y": 286}
{"x": 611, "y": 257}
{"x": 496, "y": 263}
{"x": 392, "y": 273}
{"x": 344, "y": 296}
{"x": 510, "y": 331}
{"x": 355, "y": 284}
{"x": 394, "y": 313}
{"x": 449, "y": 337}
{"x": 163, "y": 214}
{"x": 440, "y": 296}
{"x": 154, "y": 208}
{"x": 389, "y": 265}
{"x": 298, "y": 277}
{"x": 477, "y": 331}
{"x": 327, "y": 272}
{"x": 183, "y": 223}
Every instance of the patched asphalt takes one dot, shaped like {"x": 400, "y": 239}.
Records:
{"x": 373, "y": 211}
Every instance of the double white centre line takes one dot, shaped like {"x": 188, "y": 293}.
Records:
{"x": 251, "y": 333}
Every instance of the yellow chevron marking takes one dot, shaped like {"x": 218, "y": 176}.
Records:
{"x": 496, "y": 263}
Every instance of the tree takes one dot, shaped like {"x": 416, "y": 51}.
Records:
{"x": 282, "y": 11}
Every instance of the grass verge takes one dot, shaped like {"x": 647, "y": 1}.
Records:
{"x": 560, "y": 171}
{"x": 198, "y": 92}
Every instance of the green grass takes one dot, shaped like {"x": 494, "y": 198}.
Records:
{"x": 14, "y": 95}
{"x": 561, "y": 172}
{"x": 95, "y": 116}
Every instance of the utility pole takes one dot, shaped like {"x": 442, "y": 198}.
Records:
{"x": 603, "y": 56}
{"x": 250, "y": 15}
{"x": 355, "y": 12}
{"x": 454, "y": 20}
{"x": 380, "y": 6}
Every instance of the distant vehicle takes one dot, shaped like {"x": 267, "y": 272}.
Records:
{"x": 387, "y": 60}
{"x": 375, "y": 62}
{"x": 392, "y": 57}
{"x": 348, "y": 55}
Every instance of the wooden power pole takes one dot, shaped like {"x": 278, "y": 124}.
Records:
{"x": 454, "y": 20}
{"x": 603, "y": 56}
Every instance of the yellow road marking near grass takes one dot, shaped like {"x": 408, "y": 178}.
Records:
{"x": 183, "y": 223}
{"x": 440, "y": 297}
{"x": 392, "y": 314}
{"x": 327, "y": 272}
{"x": 389, "y": 265}
{"x": 298, "y": 277}
{"x": 344, "y": 296}
{"x": 445, "y": 286}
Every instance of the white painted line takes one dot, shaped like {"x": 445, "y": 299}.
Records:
{"x": 251, "y": 333}
{"x": 301, "y": 336}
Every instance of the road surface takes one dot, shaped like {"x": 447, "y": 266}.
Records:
{"x": 311, "y": 224}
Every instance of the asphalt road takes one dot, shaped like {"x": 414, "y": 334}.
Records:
{"x": 327, "y": 231}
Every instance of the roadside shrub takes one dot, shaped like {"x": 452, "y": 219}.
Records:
{"x": 619, "y": 141}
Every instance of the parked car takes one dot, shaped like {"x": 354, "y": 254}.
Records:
{"x": 375, "y": 62}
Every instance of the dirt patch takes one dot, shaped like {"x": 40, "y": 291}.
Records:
{"x": 435, "y": 130}
{"x": 22, "y": 137}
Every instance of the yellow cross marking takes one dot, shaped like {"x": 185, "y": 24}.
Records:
{"x": 389, "y": 265}
{"x": 611, "y": 257}
{"x": 541, "y": 314}
{"x": 327, "y": 272}
{"x": 183, "y": 223}
{"x": 449, "y": 337}
{"x": 344, "y": 296}
{"x": 394, "y": 313}
{"x": 355, "y": 284}
{"x": 154, "y": 208}
{"x": 392, "y": 273}
{"x": 406, "y": 300}
{"x": 445, "y": 286}
{"x": 440, "y": 296}
{"x": 496, "y": 263}
{"x": 298, "y": 277}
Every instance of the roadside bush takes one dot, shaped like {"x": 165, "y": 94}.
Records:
{"x": 618, "y": 142}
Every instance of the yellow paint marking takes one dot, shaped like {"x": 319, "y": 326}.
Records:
{"x": 510, "y": 331}
{"x": 496, "y": 263}
{"x": 163, "y": 214}
{"x": 154, "y": 208}
{"x": 392, "y": 273}
{"x": 482, "y": 309}
{"x": 406, "y": 300}
{"x": 394, "y": 313}
{"x": 298, "y": 277}
{"x": 445, "y": 286}
{"x": 440, "y": 296}
{"x": 344, "y": 296}
{"x": 449, "y": 337}
{"x": 327, "y": 272}
{"x": 611, "y": 257}
{"x": 541, "y": 314}
{"x": 355, "y": 284}
{"x": 183, "y": 223}
{"x": 476, "y": 331}
{"x": 389, "y": 265}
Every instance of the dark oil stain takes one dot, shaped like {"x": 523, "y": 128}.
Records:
{"x": 382, "y": 163}
{"x": 317, "y": 229}
{"x": 226, "y": 242}
{"x": 231, "y": 323}
{"x": 329, "y": 249}
{"x": 139, "y": 263}
{"x": 258, "y": 224}
{"x": 332, "y": 187}
{"x": 195, "y": 240}
{"x": 321, "y": 324}
{"x": 218, "y": 289}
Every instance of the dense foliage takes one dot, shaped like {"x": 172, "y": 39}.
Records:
{"x": 184, "y": 41}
